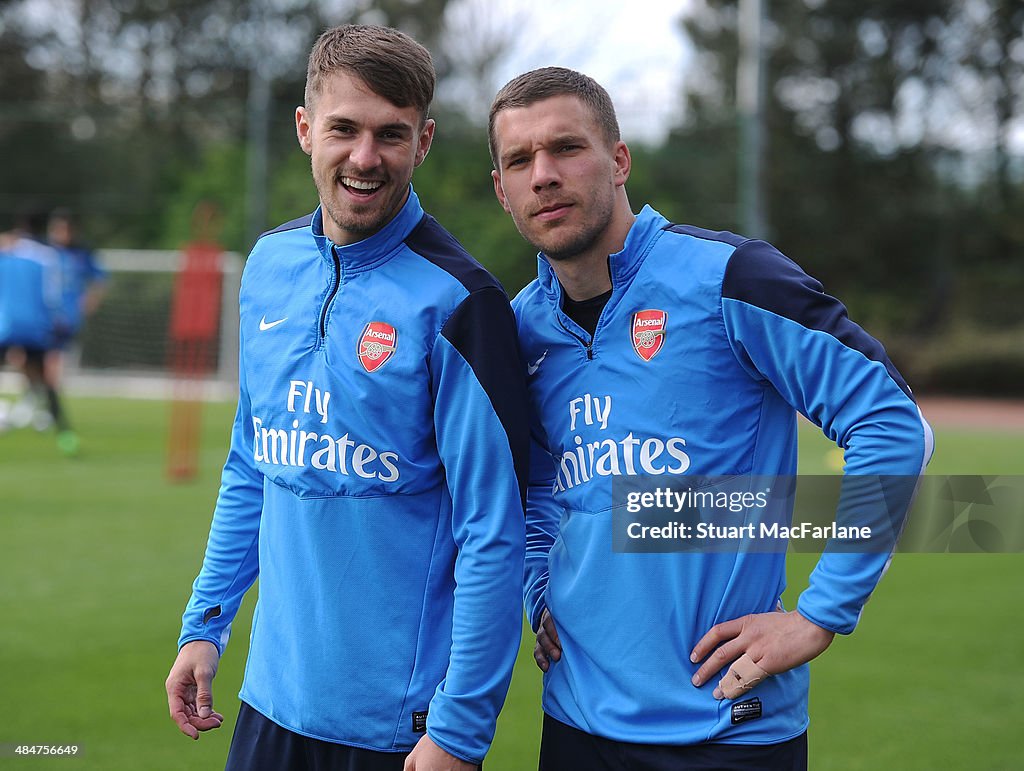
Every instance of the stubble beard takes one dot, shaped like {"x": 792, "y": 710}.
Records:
{"x": 349, "y": 219}
{"x": 580, "y": 243}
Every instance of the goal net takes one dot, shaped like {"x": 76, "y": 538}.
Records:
{"x": 124, "y": 347}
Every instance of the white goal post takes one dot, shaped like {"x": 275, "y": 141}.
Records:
{"x": 122, "y": 349}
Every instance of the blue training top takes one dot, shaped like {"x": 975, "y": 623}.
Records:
{"x": 374, "y": 483}
{"x": 30, "y": 294}
{"x": 708, "y": 346}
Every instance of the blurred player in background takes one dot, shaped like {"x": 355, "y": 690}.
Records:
{"x": 377, "y": 461}
{"x": 31, "y": 312}
{"x": 83, "y": 283}
{"x": 672, "y": 351}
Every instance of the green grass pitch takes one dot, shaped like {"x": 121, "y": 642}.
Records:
{"x": 97, "y": 555}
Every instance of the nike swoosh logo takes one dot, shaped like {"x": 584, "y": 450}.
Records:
{"x": 532, "y": 368}
{"x": 265, "y": 325}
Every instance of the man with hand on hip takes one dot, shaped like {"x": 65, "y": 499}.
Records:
{"x": 668, "y": 352}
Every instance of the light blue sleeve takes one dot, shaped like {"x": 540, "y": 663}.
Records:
{"x": 543, "y": 516}
{"x": 231, "y": 563}
{"x": 480, "y": 424}
{"x": 785, "y": 330}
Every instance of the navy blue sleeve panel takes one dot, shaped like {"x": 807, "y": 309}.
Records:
{"x": 432, "y": 242}
{"x": 295, "y": 224}
{"x": 760, "y": 275}
{"x": 482, "y": 433}
{"x": 786, "y": 330}
{"x": 487, "y": 525}
{"x": 724, "y": 236}
{"x": 482, "y": 329}
{"x": 857, "y": 404}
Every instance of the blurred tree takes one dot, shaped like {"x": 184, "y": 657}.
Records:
{"x": 879, "y": 118}
{"x": 127, "y": 92}
{"x": 894, "y": 162}
{"x": 455, "y": 182}
{"x": 23, "y": 134}
{"x": 109, "y": 105}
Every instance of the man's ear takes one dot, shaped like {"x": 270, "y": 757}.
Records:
{"x": 303, "y": 129}
{"x": 623, "y": 163}
{"x": 499, "y": 191}
{"x": 426, "y": 137}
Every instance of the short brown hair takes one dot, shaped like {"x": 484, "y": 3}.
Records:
{"x": 391, "y": 63}
{"x": 546, "y": 82}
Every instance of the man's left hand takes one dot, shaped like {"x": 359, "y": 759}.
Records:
{"x": 773, "y": 642}
{"x": 427, "y": 756}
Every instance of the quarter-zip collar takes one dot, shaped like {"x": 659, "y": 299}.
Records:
{"x": 623, "y": 265}
{"x": 374, "y": 250}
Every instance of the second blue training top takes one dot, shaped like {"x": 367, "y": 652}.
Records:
{"x": 706, "y": 350}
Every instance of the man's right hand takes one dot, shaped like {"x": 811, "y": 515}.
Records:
{"x": 190, "y": 688}
{"x": 548, "y": 647}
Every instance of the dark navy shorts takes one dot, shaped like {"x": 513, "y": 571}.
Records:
{"x": 32, "y": 355}
{"x": 564, "y": 748}
{"x": 260, "y": 744}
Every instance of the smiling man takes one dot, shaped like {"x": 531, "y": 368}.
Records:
{"x": 663, "y": 352}
{"x": 375, "y": 478}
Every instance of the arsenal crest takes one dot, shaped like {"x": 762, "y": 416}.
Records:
{"x": 648, "y": 333}
{"x": 376, "y": 345}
